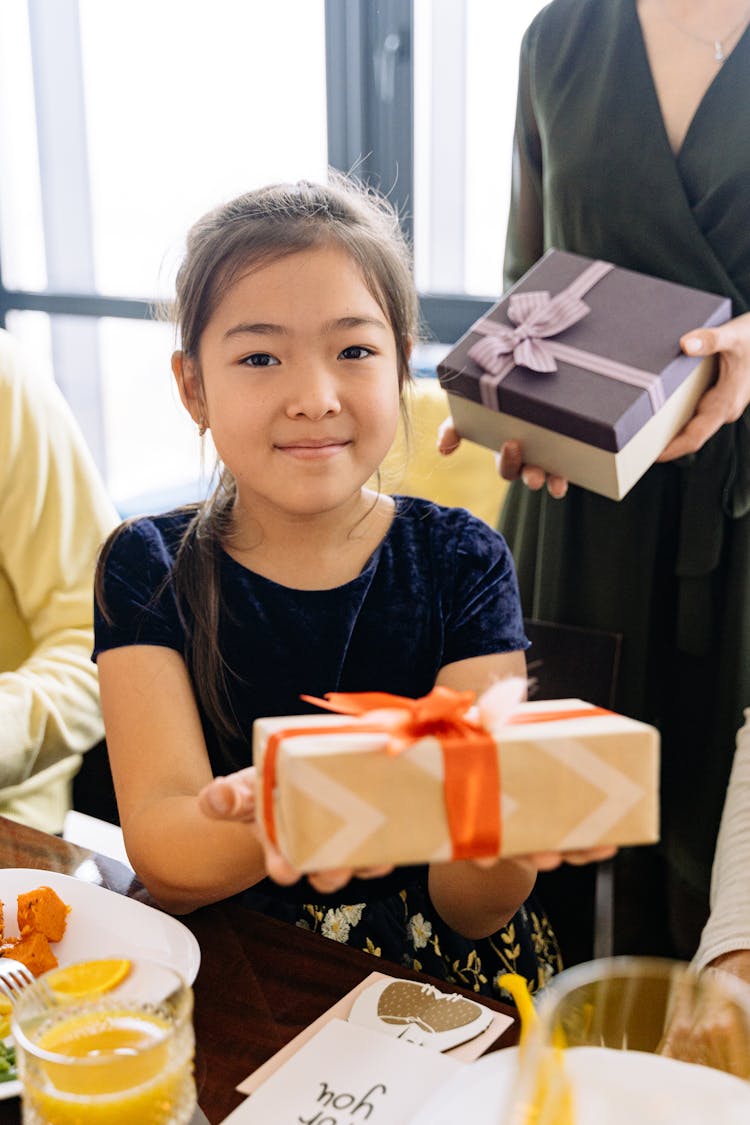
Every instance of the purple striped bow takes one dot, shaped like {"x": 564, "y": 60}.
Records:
{"x": 536, "y": 316}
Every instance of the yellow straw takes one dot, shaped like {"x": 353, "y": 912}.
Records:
{"x": 552, "y": 1102}
{"x": 518, "y": 988}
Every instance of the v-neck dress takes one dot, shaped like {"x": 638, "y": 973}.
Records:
{"x": 668, "y": 566}
{"x": 440, "y": 588}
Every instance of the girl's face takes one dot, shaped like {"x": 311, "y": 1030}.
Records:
{"x": 299, "y": 384}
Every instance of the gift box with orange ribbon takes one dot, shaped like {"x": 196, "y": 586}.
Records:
{"x": 581, "y": 362}
{"x": 392, "y": 780}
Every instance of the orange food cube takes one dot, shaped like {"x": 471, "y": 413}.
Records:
{"x": 42, "y": 912}
{"x": 33, "y": 951}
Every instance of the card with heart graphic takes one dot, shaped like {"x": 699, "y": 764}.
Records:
{"x": 464, "y": 1052}
{"x": 419, "y": 1013}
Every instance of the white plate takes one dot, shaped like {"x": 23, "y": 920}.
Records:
{"x": 609, "y": 1085}
{"x": 101, "y": 923}
{"x": 478, "y": 1093}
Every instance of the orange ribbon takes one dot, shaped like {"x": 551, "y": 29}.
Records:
{"x": 471, "y": 766}
{"x": 472, "y": 771}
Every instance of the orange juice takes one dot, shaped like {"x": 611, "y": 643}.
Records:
{"x": 110, "y": 1066}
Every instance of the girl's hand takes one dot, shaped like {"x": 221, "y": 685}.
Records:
{"x": 509, "y": 463}
{"x": 233, "y": 798}
{"x": 548, "y": 861}
{"x": 726, "y": 400}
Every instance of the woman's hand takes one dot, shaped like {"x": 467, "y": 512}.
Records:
{"x": 509, "y": 463}
{"x": 726, "y": 400}
{"x": 234, "y": 798}
{"x": 711, "y": 1029}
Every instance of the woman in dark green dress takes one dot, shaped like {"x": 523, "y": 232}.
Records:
{"x": 600, "y": 169}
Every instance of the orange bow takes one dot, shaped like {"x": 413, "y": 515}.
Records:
{"x": 472, "y": 770}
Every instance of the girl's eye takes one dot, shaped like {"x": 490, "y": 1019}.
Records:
{"x": 356, "y": 351}
{"x": 260, "y": 359}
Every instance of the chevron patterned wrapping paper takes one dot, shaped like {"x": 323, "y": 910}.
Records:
{"x": 566, "y": 783}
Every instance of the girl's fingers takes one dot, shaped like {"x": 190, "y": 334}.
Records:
{"x": 548, "y": 861}
{"x": 373, "y": 872}
{"x": 589, "y": 855}
{"x": 329, "y": 881}
{"x": 229, "y": 798}
{"x": 277, "y": 868}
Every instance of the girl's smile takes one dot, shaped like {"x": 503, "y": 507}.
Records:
{"x": 311, "y": 449}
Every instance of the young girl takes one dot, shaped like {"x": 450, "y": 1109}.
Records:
{"x": 297, "y": 312}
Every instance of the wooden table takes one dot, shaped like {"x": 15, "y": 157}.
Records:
{"x": 260, "y": 981}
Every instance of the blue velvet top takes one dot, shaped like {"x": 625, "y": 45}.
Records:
{"x": 440, "y": 587}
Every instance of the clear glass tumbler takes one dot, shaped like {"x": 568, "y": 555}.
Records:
{"x": 632, "y": 1039}
{"x": 119, "y": 1057}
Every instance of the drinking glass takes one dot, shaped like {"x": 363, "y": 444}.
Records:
{"x": 631, "y": 1039}
{"x": 122, "y": 1057}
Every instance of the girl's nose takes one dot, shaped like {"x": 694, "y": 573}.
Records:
{"x": 315, "y": 396}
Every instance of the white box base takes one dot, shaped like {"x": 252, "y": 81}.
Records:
{"x": 609, "y": 474}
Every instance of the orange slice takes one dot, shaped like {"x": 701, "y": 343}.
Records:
{"x": 88, "y": 978}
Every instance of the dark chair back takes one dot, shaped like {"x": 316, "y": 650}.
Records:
{"x": 568, "y": 662}
{"x": 93, "y": 788}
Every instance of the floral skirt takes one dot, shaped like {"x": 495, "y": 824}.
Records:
{"x": 405, "y": 928}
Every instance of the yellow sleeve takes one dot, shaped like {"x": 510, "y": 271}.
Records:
{"x": 54, "y": 514}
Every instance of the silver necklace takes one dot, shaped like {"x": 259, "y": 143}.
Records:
{"x": 717, "y": 44}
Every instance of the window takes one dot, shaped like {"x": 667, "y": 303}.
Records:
{"x": 145, "y": 115}
{"x": 465, "y": 78}
{"x": 120, "y": 124}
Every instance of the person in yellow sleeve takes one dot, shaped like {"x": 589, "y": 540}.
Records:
{"x": 54, "y": 514}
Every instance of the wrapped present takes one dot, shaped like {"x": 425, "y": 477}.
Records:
{"x": 581, "y": 362}
{"x": 399, "y": 781}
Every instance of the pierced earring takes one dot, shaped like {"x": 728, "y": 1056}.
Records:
{"x": 202, "y": 427}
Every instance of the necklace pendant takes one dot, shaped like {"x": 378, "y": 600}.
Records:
{"x": 719, "y": 51}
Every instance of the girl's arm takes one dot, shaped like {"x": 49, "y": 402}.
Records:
{"x": 159, "y": 764}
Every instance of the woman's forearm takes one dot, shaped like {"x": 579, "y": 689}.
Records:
{"x": 728, "y": 928}
{"x": 476, "y": 901}
{"x": 185, "y": 860}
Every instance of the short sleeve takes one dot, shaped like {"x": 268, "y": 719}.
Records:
{"x": 138, "y": 604}
{"x": 484, "y": 607}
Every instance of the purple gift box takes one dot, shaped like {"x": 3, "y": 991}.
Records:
{"x": 581, "y": 362}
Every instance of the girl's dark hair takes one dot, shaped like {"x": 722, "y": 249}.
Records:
{"x": 249, "y": 232}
